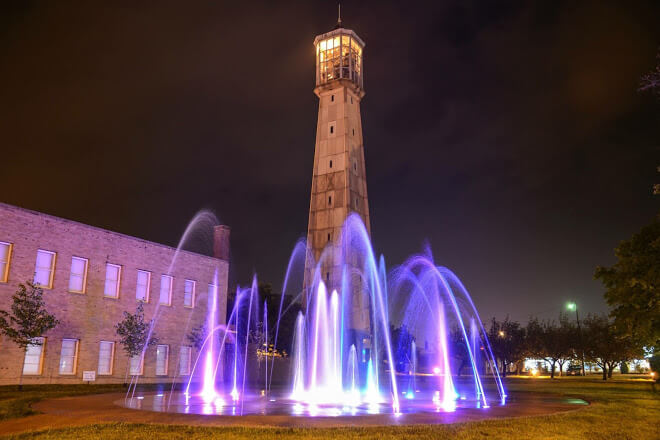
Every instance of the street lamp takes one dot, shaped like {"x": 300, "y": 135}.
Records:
{"x": 573, "y": 306}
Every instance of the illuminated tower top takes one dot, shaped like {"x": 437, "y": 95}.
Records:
{"x": 339, "y": 58}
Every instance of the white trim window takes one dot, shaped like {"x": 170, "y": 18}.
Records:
{"x": 78, "y": 276}
{"x": 137, "y": 365}
{"x": 112, "y": 280}
{"x": 106, "y": 358}
{"x": 5, "y": 258}
{"x": 189, "y": 294}
{"x": 165, "y": 290}
{"x": 69, "y": 356}
{"x": 34, "y": 357}
{"x": 44, "y": 269}
{"x": 162, "y": 355}
{"x": 142, "y": 288}
{"x": 185, "y": 360}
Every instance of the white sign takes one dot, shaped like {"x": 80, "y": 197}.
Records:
{"x": 89, "y": 376}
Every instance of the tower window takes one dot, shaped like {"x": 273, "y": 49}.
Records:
{"x": 356, "y": 203}
{"x": 329, "y": 200}
{"x": 328, "y": 237}
{"x": 355, "y": 166}
{"x": 351, "y": 100}
{"x": 332, "y": 98}
{"x": 330, "y": 164}
{"x": 331, "y": 128}
{"x": 327, "y": 276}
{"x": 353, "y": 132}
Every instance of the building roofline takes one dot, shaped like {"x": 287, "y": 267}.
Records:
{"x": 66, "y": 220}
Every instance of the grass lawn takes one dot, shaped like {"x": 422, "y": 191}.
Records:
{"x": 621, "y": 409}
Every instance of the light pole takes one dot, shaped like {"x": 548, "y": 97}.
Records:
{"x": 573, "y": 306}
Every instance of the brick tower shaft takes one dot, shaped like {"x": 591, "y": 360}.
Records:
{"x": 339, "y": 185}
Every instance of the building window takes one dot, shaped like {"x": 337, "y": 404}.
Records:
{"x": 185, "y": 360}
{"x": 165, "y": 290}
{"x": 351, "y": 100}
{"x": 78, "y": 276}
{"x": 136, "y": 365}
{"x": 331, "y": 128}
{"x": 356, "y": 203}
{"x": 353, "y": 132}
{"x": 329, "y": 200}
{"x": 5, "y": 256}
{"x": 327, "y": 276}
{"x": 44, "y": 269}
{"x": 189, "y": 293}
{"x": 162, "y": 352}
{"x": 142, "y": 288}
{"x": 328, "y": 237}
{"x": 213, "y": 292}
{"x": 69, "y": 356}
{"x": 106, "y": 357}
{"x": 34, "y": 357}
{"x": 330, "y": 164}
{"x": 355, "y": 166}
{"x": 332, "y": 98}
{"x": 112, "y": 279}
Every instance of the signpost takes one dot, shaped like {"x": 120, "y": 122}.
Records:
{"x": 89, "y": 376}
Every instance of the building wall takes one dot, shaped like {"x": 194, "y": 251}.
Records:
{"x": 90, "y": 317}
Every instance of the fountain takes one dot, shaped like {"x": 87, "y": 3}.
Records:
{"x": 342, "y": 360}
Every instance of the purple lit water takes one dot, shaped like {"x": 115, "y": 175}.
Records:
{"x": 342, "y": 360}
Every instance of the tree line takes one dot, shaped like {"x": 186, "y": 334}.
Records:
{"x": 560, "y": 342}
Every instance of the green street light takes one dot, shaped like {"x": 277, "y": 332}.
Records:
{"x": 571, "y": 306}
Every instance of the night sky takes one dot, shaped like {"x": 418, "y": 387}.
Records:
{"x": 510, "y": 135}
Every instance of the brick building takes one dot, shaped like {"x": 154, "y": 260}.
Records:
{"x": 90, "y": 276}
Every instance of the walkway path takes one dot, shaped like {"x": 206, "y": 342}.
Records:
{"x": 101, "y": 408}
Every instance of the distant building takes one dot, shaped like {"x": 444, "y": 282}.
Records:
{"x": 90, "y": 276}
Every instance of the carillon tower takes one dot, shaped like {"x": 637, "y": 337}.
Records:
{"x": 339, "y": 185}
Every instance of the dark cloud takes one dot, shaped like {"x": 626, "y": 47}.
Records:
{"x": 508, "y": 134}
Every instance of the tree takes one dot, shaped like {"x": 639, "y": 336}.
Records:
{"x": 654, "y": 363}
{"x": 459, "y": 349}
{"x": 134, "y": 333}
{"x": 552, "y": 342}
{"x": 605, "y": 346}
{"x": 651, "y": 81}
{"x": 507, "y": 340}
{"x": 402, "y": 341}
{"x": 287, "y": 322}
{"x": 28, "y": 319}
{"x": 633, "y": 286}
{"x": 197, "y": 336}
